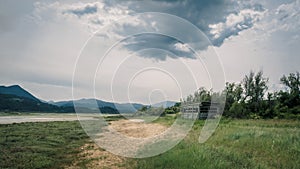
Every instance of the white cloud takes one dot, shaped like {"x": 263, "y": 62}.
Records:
{"x": 271, "y": 45}
{"x": 182, "y": 47}
{"x": 235, "y": 22}
{"x": 93, "y": 15}
{"x": 287, "y": 16}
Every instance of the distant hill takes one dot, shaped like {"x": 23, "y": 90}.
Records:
{"x": 15, "y": 98}
{"x": 103, "y": 105}
{"x": 17, "y": 91}
{"x": 164, "y": 104}
{"x": 9, "y": 103}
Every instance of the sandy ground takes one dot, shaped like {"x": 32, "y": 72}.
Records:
{"x": 137, "y": 128}
{"x": 99, "y": 158}
{"x": 94, "y": 157}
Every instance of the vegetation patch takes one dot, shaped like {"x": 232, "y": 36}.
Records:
{"x": 235, "y": 144}
{"x": 40, "y": 145}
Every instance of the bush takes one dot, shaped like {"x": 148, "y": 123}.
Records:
{"x": 295, "y": 110}
{"x": 237, "y": 110}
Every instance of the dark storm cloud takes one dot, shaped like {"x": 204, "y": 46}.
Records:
{"x": 161, "y": 46}
{"x": 88, "y": 9}
{"x": 202, "y": 13}
{"x": 217, "y": 19}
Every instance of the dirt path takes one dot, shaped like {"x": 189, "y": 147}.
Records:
{"x": 92, "y": 156}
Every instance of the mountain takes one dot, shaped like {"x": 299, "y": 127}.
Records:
{"x": 90, "y": 105}
{"x": 9, "y": 102}
{"x": 164, "y": 104}
{"x": 128, "y": 107}
{"x": 15, "y": 98}
{"x": 17, "y": 91}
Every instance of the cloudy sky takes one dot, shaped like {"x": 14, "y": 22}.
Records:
{"x": 116, "y": 51}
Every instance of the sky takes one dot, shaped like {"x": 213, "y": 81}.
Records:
{"x": 144, "y": 51}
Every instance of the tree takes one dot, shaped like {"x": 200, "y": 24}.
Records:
{"x": 233, "y": 94}
{"x": 255, "y": 86}
{"x": 199, "y": 95}
{"x": 292, "y": 81}
{"x": 144, "y": 108}
{"x": 202, "y": 95}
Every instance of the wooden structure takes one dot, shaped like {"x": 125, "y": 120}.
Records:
{"x": 201, "y": 110}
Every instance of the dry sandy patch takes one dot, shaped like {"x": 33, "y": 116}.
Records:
{"x": 96, "y": 157}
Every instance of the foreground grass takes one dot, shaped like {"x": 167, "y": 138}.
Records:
{"x": 40, "y": 145}
{"x": 235, "y": 144}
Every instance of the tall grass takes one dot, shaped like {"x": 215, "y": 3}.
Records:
{"x": 235, "y": 144}
{"x": 40, "y": 145}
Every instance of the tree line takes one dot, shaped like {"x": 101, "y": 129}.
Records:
{"x": 251, "y": 98}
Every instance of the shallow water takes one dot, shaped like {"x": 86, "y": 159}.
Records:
{"x": 40, "y": 118}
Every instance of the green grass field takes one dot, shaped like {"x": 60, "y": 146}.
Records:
{"x": 235, "y": 144}
{"x": 40, "y": 145}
